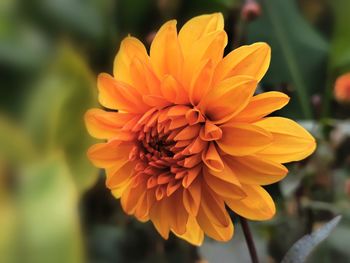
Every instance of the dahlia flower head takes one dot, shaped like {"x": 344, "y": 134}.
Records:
{"x": 185, "y": 136}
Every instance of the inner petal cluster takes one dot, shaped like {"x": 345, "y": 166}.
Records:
{"x": 170, "y": 147}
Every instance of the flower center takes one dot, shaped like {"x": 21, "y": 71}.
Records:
{"x": 168, "y": 148}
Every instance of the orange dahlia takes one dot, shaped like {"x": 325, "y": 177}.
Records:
{"x": 185, "y": 135}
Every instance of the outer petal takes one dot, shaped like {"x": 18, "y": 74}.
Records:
{"x": 228, "y": 98}
{"x": 166, "y": 55}
{"x": 210, "y": 47}
{"x": 243, "y": 139}
{"x": 252, "y": 60}
{"x": 118, "y": 95}
{"x": 213, "y": 218}
{"x": 104, "y": 155}
{"x": 130, "y": 48}
{"x": 197, "y": 28}
{"x": 194, "y": 234}
{"x": 258, "y": 205}
{"x": 105, "y": 125}
{"x": 254, "y": 170}
{"x": 224, "y": 188}
{"x": 118, "y": 177}
{"x": 291, "y": 142}
{"x": 262, "y": 105}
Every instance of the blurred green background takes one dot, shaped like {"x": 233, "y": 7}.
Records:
{"x": 53, "y": 203}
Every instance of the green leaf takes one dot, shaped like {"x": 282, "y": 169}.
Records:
{"x": 48, "y": 223}
{"x": 15, "y": 145}
{"x": 340, "y": 49}
{"x": 55, "y": 113}
{"x": 299, "y": 53}
{"x": 299, "y": 252}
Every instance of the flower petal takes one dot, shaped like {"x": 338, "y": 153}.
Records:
{"x": 258, "y": 205}
{"x": 105, "y": 125}
{"x": 224, "y": 188}
{"x": 290, "y": 142}
{"x": 194, "y": 234}
{"x": 130, "y": 48}
{"x": 198, "y": 27}
{"x": 118, "y": 176}
{"x": 109, "y": 154}
{"x": 213, "y": 207}
{"x": 209, "y": 48}
{"x": 118, "y": 95}
{"x": 254, "y": 170}
{"x": 252, "y": 60}
{"x": 192, "y": 197}
{"x": 212, "y": 159}
{"x": 243, "y": 139}
{"x": 228, "y": 98}
{"x": 166, "y": 55}
{"x": 262, "y": 105}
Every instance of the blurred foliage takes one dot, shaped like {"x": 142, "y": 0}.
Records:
{"x": 53, "y": 205}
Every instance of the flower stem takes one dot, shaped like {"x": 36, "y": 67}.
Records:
{"x": 249, "y": 239}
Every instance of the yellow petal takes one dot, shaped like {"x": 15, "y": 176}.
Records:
{"x": 109, "y": 154}
{"x": 223, "y": 188}
{"x": 243, "y": 139}
{"x": 209, "y": 48}
{"x": 130, "y": 48}
{"x": 165, "y": 53}
{"x": 143, "y": 77}
{"x": 194, "y": 234}
{"x": 252, "y": 60}
{"x": 201, "y": 82}
{"x": 212, "y": 158}
{"x": 262, "y": 105}
{"x": 118, "y": 176}
{"x": 213, "y": 207}
{"x": 291, "y": 142}
{"x": 255, "y": 170}
{"x": 258, "y": 205}
{"x": 105, "y": 125}
{"x": 197, "y": 28}
{"x": 228, "y": 98}
{"x": 159, "y": 215}
{"x": 178, "y": 213}
{"x": 192, "y": 197}
{"x": 118, "y": 95}
{"x": 209, "y": 226}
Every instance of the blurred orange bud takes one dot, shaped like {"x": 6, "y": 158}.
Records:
{"x": 342, "y": 88}
{"x": 250, "y": 10}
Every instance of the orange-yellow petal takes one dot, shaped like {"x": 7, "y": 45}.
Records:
{"x": 212, "y": 158}
{"x": 251, "y": 60}
{"x": 258, "y": 205}
{"x": 213, "y": 217}
{"x": 130, "y": 48}
{"x": 109, "y": 154}
{"x": 119, "y": 176}
{"x": 209, "y": 48}
{"x": 291, "y": 142}
{"x": 243, "y": 139}
{"x": 194, "y": 234}
{"x": 223, "y": 188}
{"x": 118, "y": 95}
{"x": 256, "y": 171}
{"x": 228, "y": 98}
{"x": 262, "y": 105}
{"x": 198, "y": 27}
{"x": 192, "y": 197}
{"x": 165, "y": 53}
{"x": 105, "y": 125}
